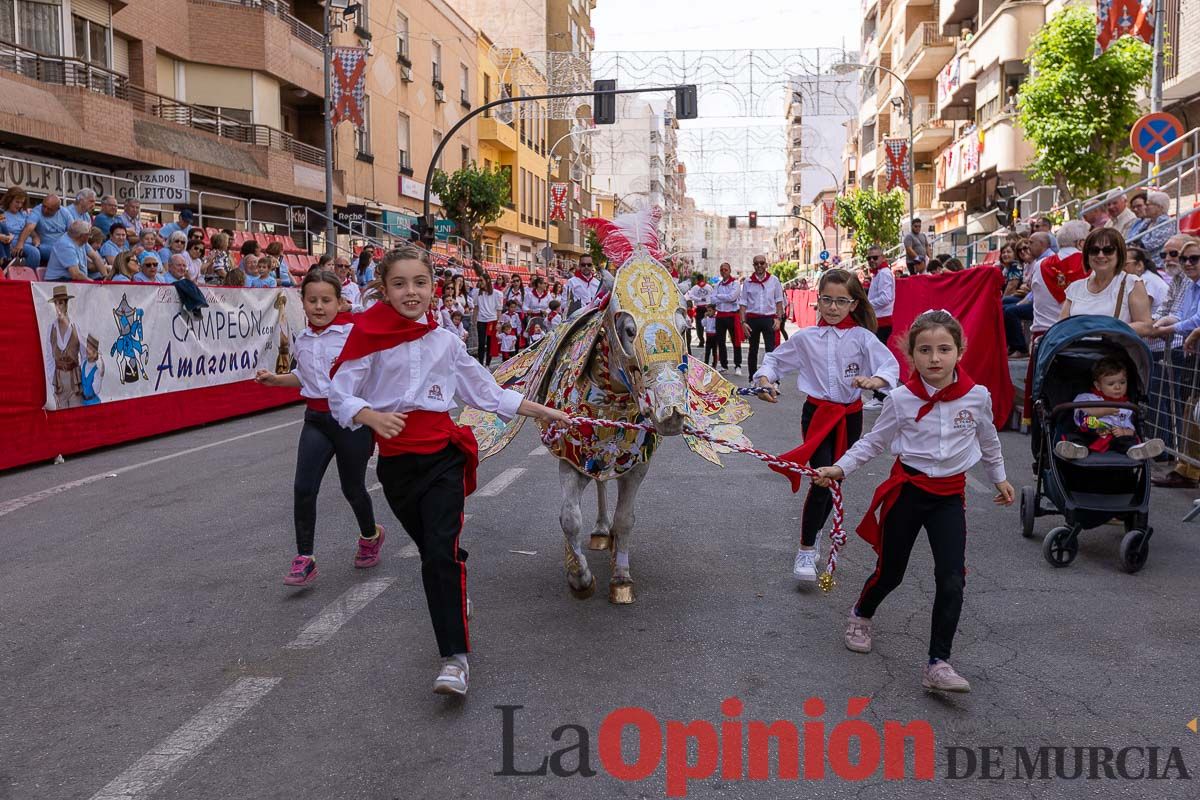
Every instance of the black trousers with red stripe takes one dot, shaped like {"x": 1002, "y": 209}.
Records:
{"x": 945, "y": 520}
{"x": 425, "y": 493}
{"x": 819, "y": 502}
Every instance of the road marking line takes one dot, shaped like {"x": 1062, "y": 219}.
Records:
{"x": 976, "y": 484}
{"x": 156, "y": 767}
{"x": 9, "y": 506}
{"x": 501, "y": 482}
{"x": 338, "y": 613}
{"x": 540, "y": 450}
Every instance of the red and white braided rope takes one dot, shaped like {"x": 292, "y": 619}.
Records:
{"x": 837, "y": 533}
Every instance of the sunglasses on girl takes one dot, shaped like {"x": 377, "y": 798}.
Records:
{"x": 1107, "y": 249}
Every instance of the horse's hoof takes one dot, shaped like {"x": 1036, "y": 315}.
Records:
{"x": 585, "y": 592}
{"x": 599, "y": 541}
{"x": 620, "y": 594}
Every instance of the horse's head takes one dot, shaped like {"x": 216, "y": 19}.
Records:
{"x": 645, "y": 324}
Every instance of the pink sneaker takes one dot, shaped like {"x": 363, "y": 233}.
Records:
{"x": 368, "y": 550}
{"x": 303, "y": 571}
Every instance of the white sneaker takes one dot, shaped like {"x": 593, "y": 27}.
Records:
{"x": 1149, "y": 449}
{"x": 737, "y": 370}
{"x": 452, "y": 679}
{"x": 871, "y": 402}
{"x": 1070, "y": 451}
{"x": 805, "y": 566}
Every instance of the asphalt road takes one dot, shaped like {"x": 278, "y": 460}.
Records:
{"x": 149, "y": 649}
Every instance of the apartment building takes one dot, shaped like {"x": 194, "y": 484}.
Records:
{"x": 230, "y": 94}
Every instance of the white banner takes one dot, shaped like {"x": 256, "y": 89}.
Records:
{"x": 119, "y": 341}
{"x": 163, "y": 186}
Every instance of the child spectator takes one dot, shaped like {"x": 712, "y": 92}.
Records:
{"x": 264, "y": 279}
{"x": 218, "y": 260}
{"x": 511, "y": 317}
{"x": 1101, "y": 429}
{"x": 508, "y": 341}
{"x": 235, "y": 277}
{"x": 456, "y": 325}
{"x": 535, "y": 333}
{"x": 710, "y": 335}
{"x": 554, "y": 317}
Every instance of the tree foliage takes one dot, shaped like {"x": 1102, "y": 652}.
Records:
{"x": 785, "y": 270}
{"x": 473, "y": 197}
{"x": 873, "y": 217}
{"x": 595, "y": 250}
{"x": 1078, "y": 109}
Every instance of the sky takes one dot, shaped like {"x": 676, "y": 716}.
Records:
{"x": 710, "y": 25}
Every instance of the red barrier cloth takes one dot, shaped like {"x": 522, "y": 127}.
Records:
{"x": 973, "y": 297}
{"x": 802, "y": 309}
{"x": 32, "y": 434}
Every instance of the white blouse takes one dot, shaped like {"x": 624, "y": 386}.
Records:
{"x": 315, "y": 353}
{"x": 828, "y": 359}
{"x": 427, "y": 374}
{"x": 950, "y": 439}
{"x": 1085, "y": 301}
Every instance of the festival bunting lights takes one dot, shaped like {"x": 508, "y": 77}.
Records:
{"x": 349, "y": 85}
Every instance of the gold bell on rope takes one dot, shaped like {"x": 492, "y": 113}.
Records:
{"x": 826, "y": 582}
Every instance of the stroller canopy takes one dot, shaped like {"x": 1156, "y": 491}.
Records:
{"x": 1089, "y": 328}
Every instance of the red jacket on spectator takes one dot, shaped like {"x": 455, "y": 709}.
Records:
{"x": 1059, "y": 273}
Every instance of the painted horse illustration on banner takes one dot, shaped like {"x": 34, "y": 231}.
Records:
{"x": 622, "y": 358}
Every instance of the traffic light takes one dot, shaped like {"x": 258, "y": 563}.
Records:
{"x": 1006, "y": 203}
{"x": 685, "y": 102}
{"x": 732, "y": 221}
{"x": 753, "y": 219}
{"x": 704, "y": 252}
{"x": 427, "y": 228}
{"x": 604, "y": 106}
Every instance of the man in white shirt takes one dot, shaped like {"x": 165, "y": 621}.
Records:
{"x": 699, "y": 295}
{"x": 583, "y": 286}
{"x": 882, "y": 292}
{"x": 725, "y": 296}
{"x": 760, "y": 308}
{"x": 1120, "y": 216}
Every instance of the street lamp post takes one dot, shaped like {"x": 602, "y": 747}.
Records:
{"x": 851, "y": 66}
{"x": 327, "y": 53}
{"x": 550, "y": 160}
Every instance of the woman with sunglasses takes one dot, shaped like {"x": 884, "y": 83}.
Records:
{"x": 195, "y": 260}
{"x": 1109, "y": 291}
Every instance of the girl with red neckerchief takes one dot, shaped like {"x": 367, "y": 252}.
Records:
{"x": 401, "y": 375}
{"x": 321, "y": 438}
{"x": 834, "y": 360}
{"x": 938, "y": 425}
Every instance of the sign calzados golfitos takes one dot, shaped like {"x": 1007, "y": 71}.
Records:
{"x": 163, "y": 186}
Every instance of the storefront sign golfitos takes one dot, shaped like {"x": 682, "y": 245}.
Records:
{"x": 158, "y": 186}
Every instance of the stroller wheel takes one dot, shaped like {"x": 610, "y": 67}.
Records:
{"x": 1135, "y": 549}
{"x": 1028, "y": 510}
{"x": 1060, "y": 546}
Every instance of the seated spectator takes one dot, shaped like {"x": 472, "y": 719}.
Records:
{"x": 176, "y": 243}
{"x": 249, "y": 267}
{"x": 1041, "y": 316}
{"x": 1136, "y": 263}
{"x": 195, "y": 260}
{"x": 45, "y": 226}
{"x": 325, "y": 261}
{"x": 125, "y": 266}
{"x": 131, "y": 218}
{"x": 108, "y": 214}
{"x": 235, "y": 277}
{"x": 98, "y": 266}
{"x": 264, "y": 279}
{"x": 1012, "y": 268}
{"x": 1105, "y": 429}
{"x": 116, "y": 243}
{"x": 218, "y": 261}
{"x": 1108, "y": 290}
{"x": 147, "y": 268}
{"x": 147, "y": 241}
{"x": 85, "y": 201}
{"x": 68, "y": 259}
{"x": 250, "y": 248}
{"x": 1121, "y": 216}
{"x": 1157, "y": 227}
{"x": 183, "y": 224}
{"x": 177, "y": 268}
{"x": 14, "y": 206}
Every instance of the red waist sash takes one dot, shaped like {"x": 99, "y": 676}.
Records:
{"x": 737, "y": 329}
{"x": 871, "y": 527}
{"x": 829, "y": 417}
{"x": 317, "y": 404}
{"x": 427, "y": 432}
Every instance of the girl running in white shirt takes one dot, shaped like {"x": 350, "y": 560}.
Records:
{"x": 321, "y": 438}
{"x": 938, "y": 425}
{"x": 834, "y": 359}
{"x": 400, "y": 375}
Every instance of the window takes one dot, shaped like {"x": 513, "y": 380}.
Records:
{"x": 437, "y": 140}
{"x": 402, "y": 50}
{"x": 524, "y": 196}
{"x": 487, "y": 91}
{"x": 466, "y": 156}
{"x": 33, "y": 24}
{"x": 464, "y": 82}
{"x": 362, "y": 136}
{"x": 91, "y": 41}
{"x": 404, "y": 144}
{"x": 362, "y": 23}
{"x": 436, "y": 48}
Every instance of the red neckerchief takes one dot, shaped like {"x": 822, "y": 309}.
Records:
{"x": 962, "y": 384}
{"x": 882, "y": 263}
{"x": 763, "y": 282}
{"x": 702, "y": 282}
{"x": 540, "y": 296}
{"x": 727, "y": 281}
{"x": 846, "y": 324}
{"x": 380, "y": 327}
{"x": 579, "y": 275}
{"x": 341, "y": 318}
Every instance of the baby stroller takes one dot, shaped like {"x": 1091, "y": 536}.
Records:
{"x": 1102, "y": 486}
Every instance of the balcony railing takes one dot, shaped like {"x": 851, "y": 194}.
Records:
{"x": 925, "y": 115}
{"x": 926, "y": 35}
{"x": 280, "y": 9}
{"x": 63, "y": 71}
{"x": 924, "y": 195}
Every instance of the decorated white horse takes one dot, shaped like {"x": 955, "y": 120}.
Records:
{"x": 620, "y": 359}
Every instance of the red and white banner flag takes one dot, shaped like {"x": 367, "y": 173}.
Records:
{"x": 1117, "y": 18}
{"x": 896, "y": 151}
{"x": 349, "y": 85}
{"x": 829, "y": 214}
{"x": 558, "y": 201}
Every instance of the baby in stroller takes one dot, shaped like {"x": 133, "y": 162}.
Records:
{"x": 1103, "y": 429}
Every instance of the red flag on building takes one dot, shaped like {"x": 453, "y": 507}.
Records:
{"x": 828, "y": 212}
{"x": 558, "y": 201}
{"x": 349, "y": 85}
{"x": 1117, "y": 18}
{"x": 896, "y": 151}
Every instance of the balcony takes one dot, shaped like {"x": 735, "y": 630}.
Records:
{"x": 953, "y": 12}
{"x": 1005, "y": 35}
{"x": 956, "y": 83}
{"x": 925, "y": 52}
{"x": 496, "y": 133}
{"x": 930, "y": 131}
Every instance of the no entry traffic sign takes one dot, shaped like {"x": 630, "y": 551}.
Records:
{"x": 1156, "y": 134}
